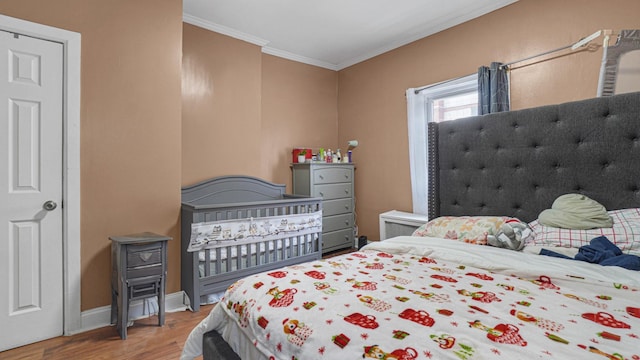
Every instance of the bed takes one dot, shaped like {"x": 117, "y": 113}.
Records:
{"x": 235, "y": 226}
{"x": 414, "y": 297}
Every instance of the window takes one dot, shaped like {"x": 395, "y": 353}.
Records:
{"x": 455, "y": 107}
{"x": 440, "y": 102}
{"x": 452, "y": 99}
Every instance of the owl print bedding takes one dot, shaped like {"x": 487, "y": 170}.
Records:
{"x": 425, "y": 298}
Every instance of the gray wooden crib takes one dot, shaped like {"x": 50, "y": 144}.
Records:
{"x": 228, "y": 198}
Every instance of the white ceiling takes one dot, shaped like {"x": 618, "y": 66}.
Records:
{"x": 333, "y": 34}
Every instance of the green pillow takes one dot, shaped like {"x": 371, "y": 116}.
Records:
{"x": 576, "y": 211}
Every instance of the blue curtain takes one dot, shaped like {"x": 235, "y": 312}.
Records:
{"x": 493, "y": 89}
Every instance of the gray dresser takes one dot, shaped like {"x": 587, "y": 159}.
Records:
{"x": 334, "y": 184}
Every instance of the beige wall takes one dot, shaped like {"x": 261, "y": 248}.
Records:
{"x": 244, "y": 111}
{"x": 221, "y": 106}
{"x": 299, "y": 108}
{"x": 130, "y": 124}
{"x": 372, "y": 106}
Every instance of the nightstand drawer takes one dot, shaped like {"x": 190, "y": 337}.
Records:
{"x": 333, "y": 191}
{"x": 144, "y": 255}
{"x": 335, "y": 207}
{"x": 332, "y": 175}
{"x": 337, "y": 222}
{"x": 144, "y": 270}
{"x": 144, "y": 287}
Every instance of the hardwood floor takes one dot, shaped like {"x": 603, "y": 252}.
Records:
{"x": 145, "y": 339}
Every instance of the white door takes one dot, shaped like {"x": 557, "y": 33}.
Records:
{"x": 31, "y": 260}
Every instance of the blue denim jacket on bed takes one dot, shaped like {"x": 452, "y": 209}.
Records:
{"x": 601, "y": 251}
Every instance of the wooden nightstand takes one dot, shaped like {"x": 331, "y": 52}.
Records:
{"x": 139, "y": 271}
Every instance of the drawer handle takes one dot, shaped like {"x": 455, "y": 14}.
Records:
{"x": 346, "y": 176}
{"x": 346, "y": 191}
{"x": 145, "y": 256}
{"x": 346, "y": 222}
{"x": 321, "y": 177}
{"x": 321, "y": 193}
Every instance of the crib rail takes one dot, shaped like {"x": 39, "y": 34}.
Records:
{"x": 213, "y": 270}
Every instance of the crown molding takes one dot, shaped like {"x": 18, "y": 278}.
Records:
{"x": 298, "y": 58}
{"x": 434, "y": 29}
{"x": 194, "y": 20}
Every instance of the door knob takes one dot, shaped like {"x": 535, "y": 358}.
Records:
{"x": 50, "y": 205}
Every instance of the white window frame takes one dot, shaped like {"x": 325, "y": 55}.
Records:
{"x": 419, "y": 113}
{"x": 455, "y": 87}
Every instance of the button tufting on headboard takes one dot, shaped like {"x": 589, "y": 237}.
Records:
{"x": 519, "y": 162}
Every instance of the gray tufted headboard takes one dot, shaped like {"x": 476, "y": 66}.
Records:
{"x": 517, "y": 163}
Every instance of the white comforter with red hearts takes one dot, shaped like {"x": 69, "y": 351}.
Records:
{"x": 425, "y": 298}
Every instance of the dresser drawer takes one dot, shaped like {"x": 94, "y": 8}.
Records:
{"x": 337, "y": 222}
{"x": 332, "y": 175}
{"x": 337, "y": 240}
{"x": 333, "y": 191}
{"x": 335, "y": 207}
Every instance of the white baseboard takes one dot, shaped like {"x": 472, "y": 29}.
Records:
{"x": 138, "y": 309}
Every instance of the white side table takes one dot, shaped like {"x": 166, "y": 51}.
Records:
{"x": 399, "y": 223}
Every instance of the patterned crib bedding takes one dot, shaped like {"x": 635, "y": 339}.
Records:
{"x": 253, "y": 237}
{"x": 257, "y": 249}
{"x": 230, "y": 233}
{"x": 426, "y": 298}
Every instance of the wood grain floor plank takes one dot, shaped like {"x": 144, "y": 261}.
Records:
{"x": 145, "y": 341}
